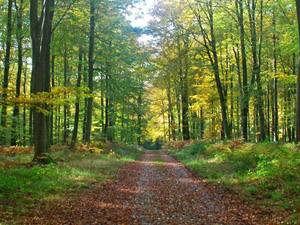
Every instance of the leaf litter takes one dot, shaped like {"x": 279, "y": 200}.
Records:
{"x": 147, "y": 192}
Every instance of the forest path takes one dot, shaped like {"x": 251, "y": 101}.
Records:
{"x": 154, "y": 190}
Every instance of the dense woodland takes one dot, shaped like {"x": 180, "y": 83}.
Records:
{"x": 77, "y": 71}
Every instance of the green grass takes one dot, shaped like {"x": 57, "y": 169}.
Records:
{"x": 266, "y": 173}
{"x": 22, "y": 183}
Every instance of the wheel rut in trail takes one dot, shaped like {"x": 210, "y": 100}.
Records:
{"x": 154, "y": 190}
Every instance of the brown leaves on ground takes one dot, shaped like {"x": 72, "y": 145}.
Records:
{"x": 147, "y": 192}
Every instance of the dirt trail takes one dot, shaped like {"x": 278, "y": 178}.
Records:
{"x": 155, "y": 190}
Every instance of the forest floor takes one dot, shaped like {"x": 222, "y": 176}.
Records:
{"x": 157, "y": 189}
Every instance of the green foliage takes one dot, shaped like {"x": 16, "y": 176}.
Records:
{"x": 192, "y": 151}
{"x": 264, "y": 172}
{"x": 23, "y": 184}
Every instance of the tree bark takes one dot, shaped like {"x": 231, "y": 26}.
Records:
{"x": 76, "y": 117}
{"x": 170, "y": 109}
{"x": 275, "y": 101}
{"x": 139, "y": 114}
{"x": 40, "y": 31}
{"x": 91, "y": 72}
{"x": 16, "y": 111}
{"x": 52, "y": 112}
{"x": 24, "y": 108}
{"x": 256, "y": 67}
{"x": 211, "y": 50}
{"x": 184, "y": 90}
{"x": 6, "y": 71}
{"x": 298, "y": 79}
{"x": 65, "y": 96}
{"x": 244, "y": 93}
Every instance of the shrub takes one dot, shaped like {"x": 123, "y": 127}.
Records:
{"x": 267, "y": 172}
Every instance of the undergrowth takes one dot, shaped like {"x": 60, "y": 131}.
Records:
{"x": 266, "y": 173}
{"x": 23, "y": 184}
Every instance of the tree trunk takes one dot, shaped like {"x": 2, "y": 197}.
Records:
{"x": 40, "y": 31}
{"x": 256, "y": 67}
{"x": 85, "y": 68}
{"x": 245, "y": 93}
{"x": 65, "y": 96}
{"x": 76, "y": 117}
{"x": 202, "y": 123}
{"x": 52, "y": 112}
{"x": 275, "y": 101}
{"x": 298, "y": 79}
{"x": 6, "y": 72}
{"x": 91, "y": 72}
{"x": 106, "y": 110}
{"x": 102, "y": 106}
{"x": 16, "y": 111}
{"x": 184, "y": 91}
{"x": 170, "y": 111}
{"x": 178, "y": 108}
{"x": 24, "y": 109}
{"x": 211, "y": 50}
{"x": 268, "y": 112}
{"x": 139, "y": 114}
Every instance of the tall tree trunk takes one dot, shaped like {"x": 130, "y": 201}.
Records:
{"x": 289, "y": 111}
{"x": 65, "y": 96}
{"x": 52, "y": 112}
{"x": 202, "y": 124}
{"x": 240, "y": 98}
{"x": 40, "y": 31}
{"x": 102, "y": 106}
{"x": 256, "y": 66}
{"x": 91, "y": 71}
{"x": 76, "y": 117}
{"x": 24, "y": 109}
{"x": 170, "y": 111}
{"x": 6, "y": 72}
{"x": 111, "y": 120}
{"x": 139, "y": 114}
{"x": 298, "y": 79}
{"x": 245, "y": 93}
{"x": 105, "y": 132}
{"x": 268, "y": 112}
{"x": 16, "y": 111}
{"x": 184, "y": 90}
{"x": 275, "y": 101}
{"x": 108, "y": 112}
{"x": 211, "y": 50}
{"x": 178, "y": 108}
{"x": 85, "y": 68}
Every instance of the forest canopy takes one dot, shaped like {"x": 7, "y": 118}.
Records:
{"x": 77, "y": 70}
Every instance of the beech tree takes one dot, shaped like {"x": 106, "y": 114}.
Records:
{"x": 6, "y": 68}
{"x": 213, "y": 70}
{"x": 298, "y": 78}
{"x": 40, "y": 31}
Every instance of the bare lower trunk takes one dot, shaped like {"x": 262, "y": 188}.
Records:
{"x": 6, "y": 72}
{"x": 76, "y": 117}
{"x": 91, "y": 71}
{"x": 298, "y": 79}
{"x": 41, "y": 37}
